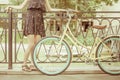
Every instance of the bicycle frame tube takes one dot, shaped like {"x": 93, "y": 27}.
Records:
{"x": 74, "y": 40}
{"x": 71, "y": 37}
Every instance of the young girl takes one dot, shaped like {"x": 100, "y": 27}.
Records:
{"x": 34, "y": 28}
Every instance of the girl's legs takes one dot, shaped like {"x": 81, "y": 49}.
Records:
{"x": 32, "y": 40}
{"x": 29, "y": 48}
{"x": 36, "y": 39}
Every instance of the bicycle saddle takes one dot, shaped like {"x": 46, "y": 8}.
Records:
{"x": 99, "y": 26}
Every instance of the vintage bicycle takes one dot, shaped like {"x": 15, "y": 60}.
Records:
{"x": 52, "y": 55}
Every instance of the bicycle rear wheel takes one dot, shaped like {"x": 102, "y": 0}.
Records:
{"x": 50, "y": 57}
{"x": 108, "y": 54}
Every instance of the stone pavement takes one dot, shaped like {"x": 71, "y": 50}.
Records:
{"x": 86, "y": 72}
{"x": 80, "y": 69}
{"x": 61, "y": 77}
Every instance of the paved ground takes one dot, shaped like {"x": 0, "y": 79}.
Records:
{"x": 61, "y": 77}
{"x": 72, "y": 69}
{"x": 88, "y": 72}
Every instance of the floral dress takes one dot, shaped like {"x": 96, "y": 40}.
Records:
{"x": 34, "y": 19}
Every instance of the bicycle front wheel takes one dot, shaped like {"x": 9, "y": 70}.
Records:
{"x": 108, "y": 54}
{"x": 50, "y": 56}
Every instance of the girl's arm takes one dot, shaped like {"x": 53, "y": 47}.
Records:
{"x": 19, "y": 6}
{"x": 47, "y": 5}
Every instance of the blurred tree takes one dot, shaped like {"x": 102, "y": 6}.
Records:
{"x": 16, "y": 2}
{"x": 82, "y": 5}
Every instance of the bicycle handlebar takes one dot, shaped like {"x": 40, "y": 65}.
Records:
{"x": 70, "y": 12}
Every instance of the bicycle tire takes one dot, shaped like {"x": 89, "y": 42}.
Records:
{"x": 110, "y": 55}
{"x": 50, "y": 61}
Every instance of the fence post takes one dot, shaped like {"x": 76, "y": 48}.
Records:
{"x": 10, "y": 41}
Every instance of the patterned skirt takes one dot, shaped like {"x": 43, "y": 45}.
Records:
{"x": 34, "y": 23}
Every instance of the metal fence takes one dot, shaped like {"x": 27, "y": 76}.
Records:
{"x": 13, "y": 43}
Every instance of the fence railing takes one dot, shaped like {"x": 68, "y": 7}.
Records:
{"x": 13, "y": 43}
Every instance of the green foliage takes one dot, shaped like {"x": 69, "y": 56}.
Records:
{"x": 16, "y": 2}
{"x": 82, "y": 5}
{"x": 107, "y": 2}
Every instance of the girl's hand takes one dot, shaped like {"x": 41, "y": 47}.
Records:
{"x": 72, "y": 10}
{"x": 58, "y": 10}
{"x": 8, "y": 9}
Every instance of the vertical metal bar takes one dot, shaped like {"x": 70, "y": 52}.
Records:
{"x": 10, "y": 41}
{"x": 6, "y": 50}
{"x": 15, "y": 55}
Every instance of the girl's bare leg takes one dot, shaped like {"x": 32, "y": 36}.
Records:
{"x": 32, "y": 40}
{"x": 29, "y": 48}
{"x": 36, "y": 39}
